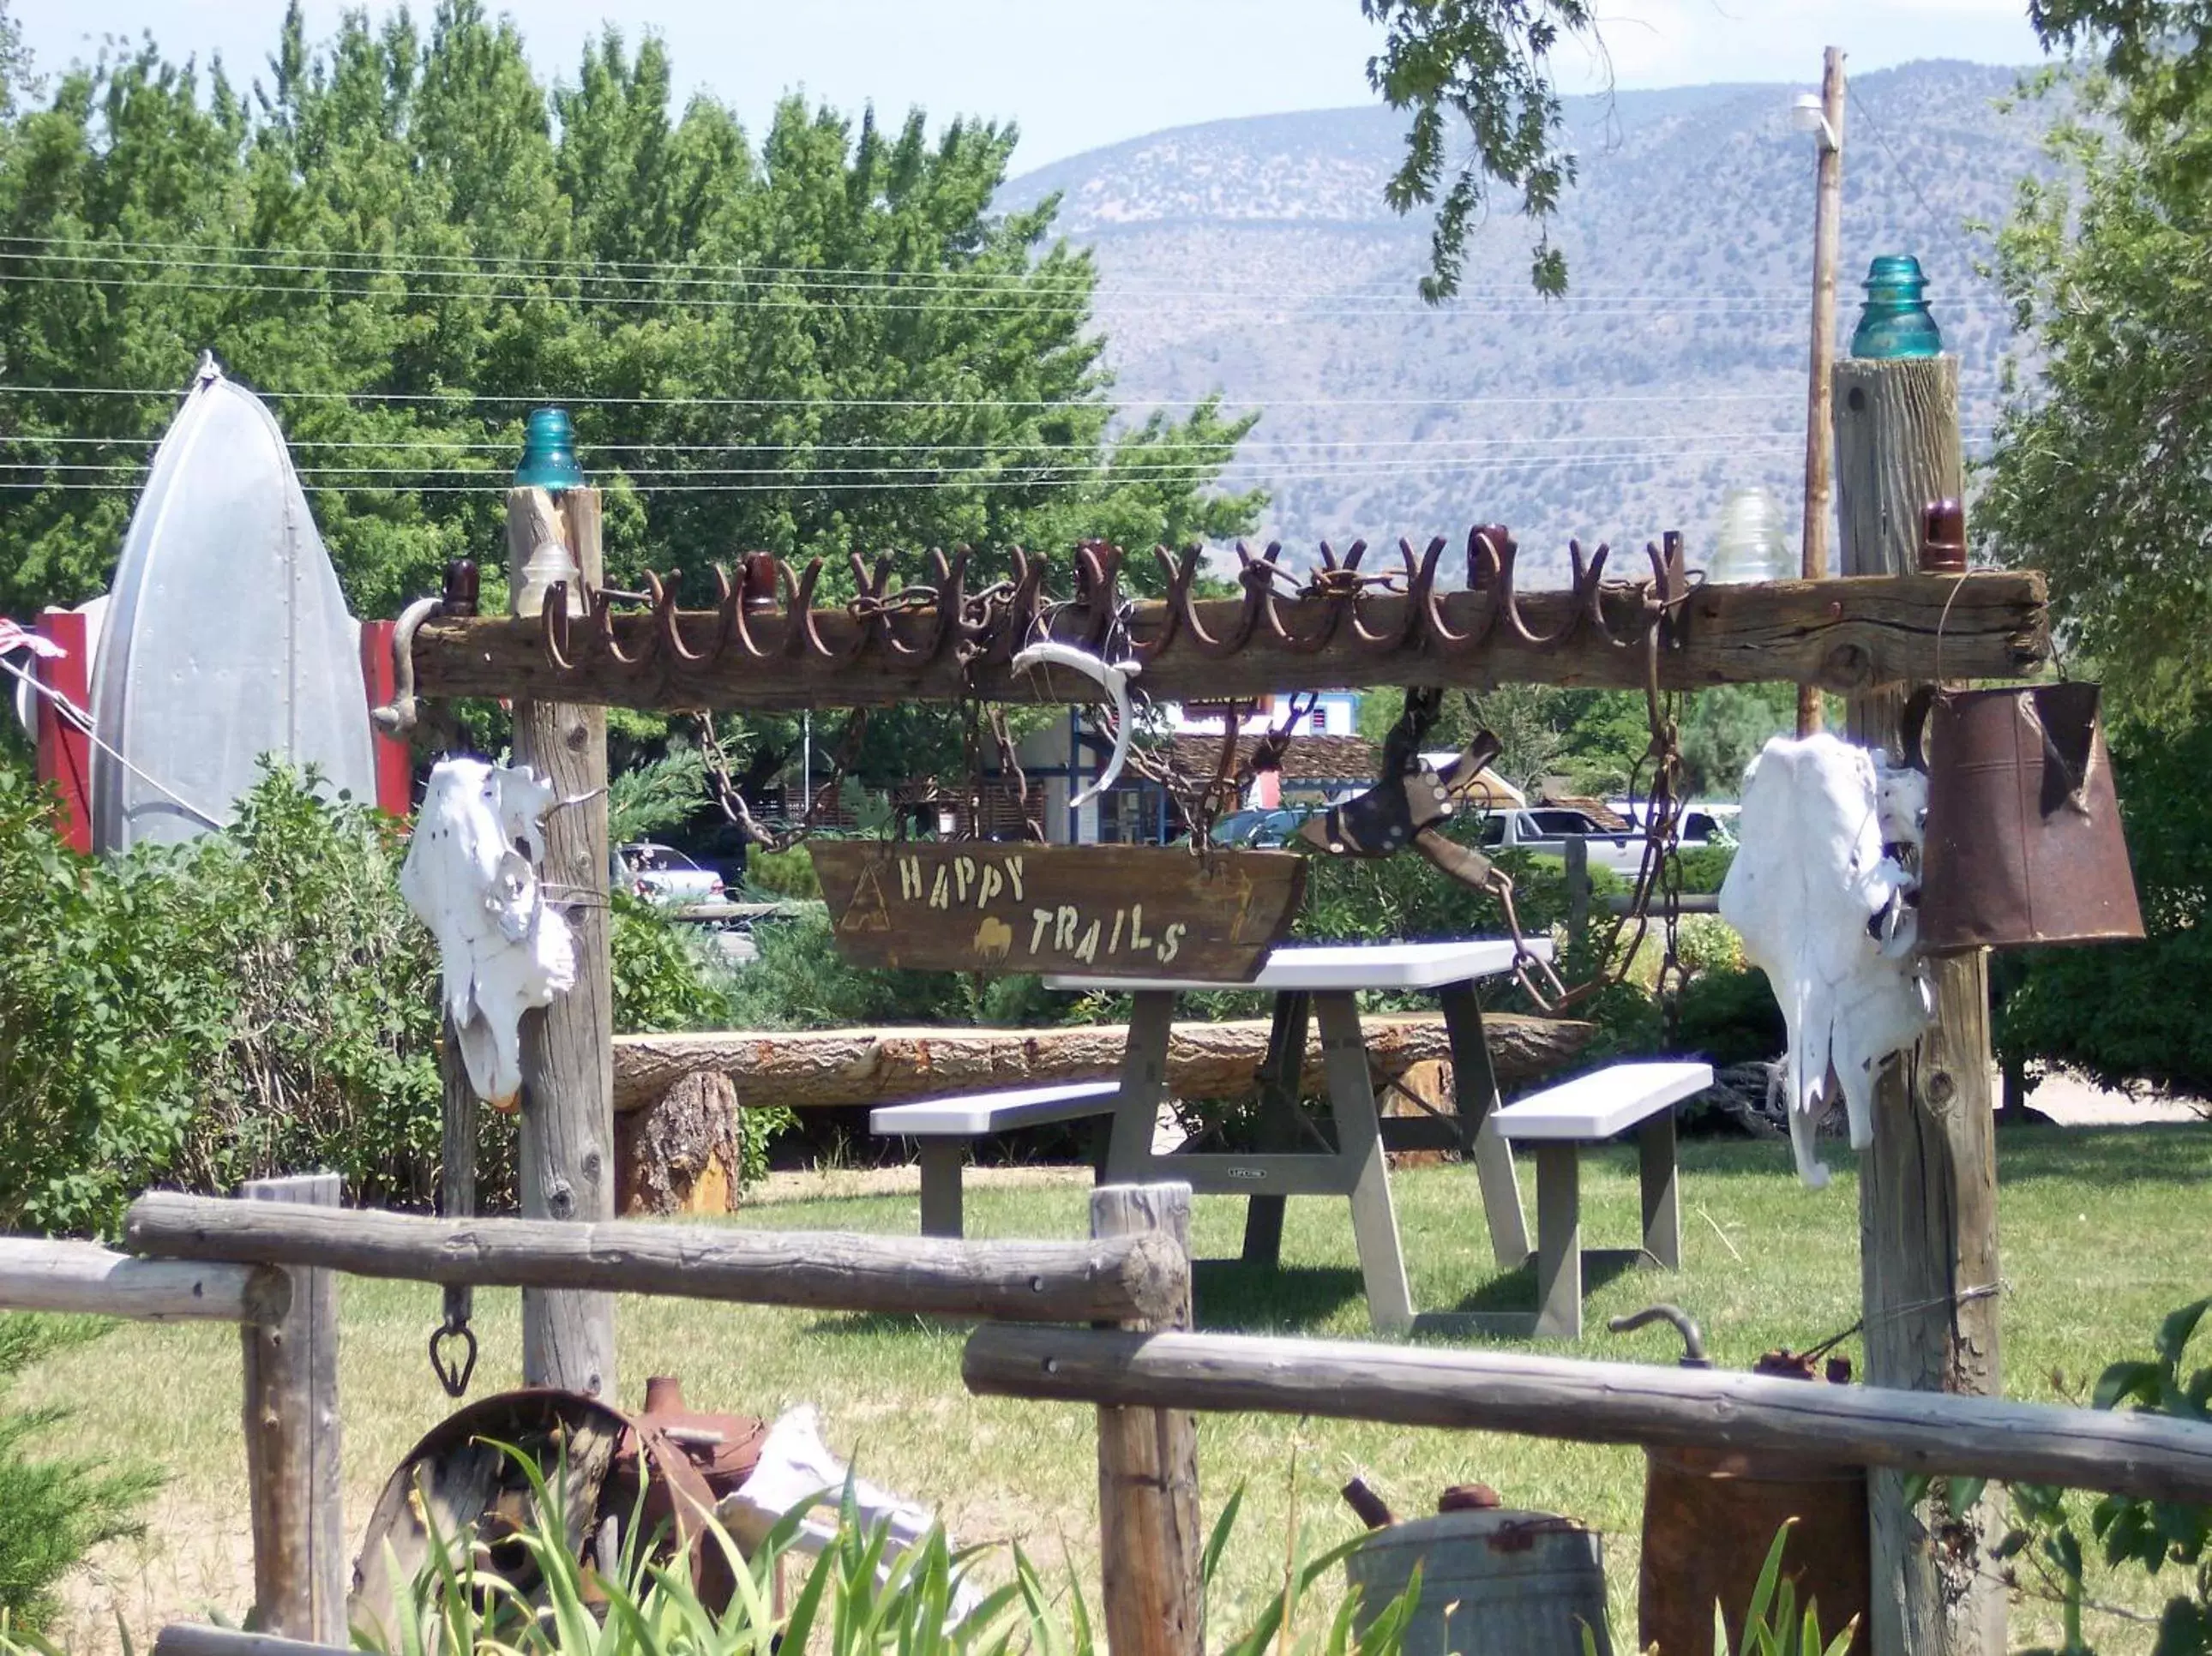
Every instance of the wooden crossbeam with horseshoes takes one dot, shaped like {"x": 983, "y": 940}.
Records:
{"x": 768, "y": 645}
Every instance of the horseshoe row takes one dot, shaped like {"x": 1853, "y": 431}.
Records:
{"x": 766, "y": 611}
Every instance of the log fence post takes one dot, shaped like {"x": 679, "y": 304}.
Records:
{"x": 1149, "y": 1540}
{"x": 293, "y": 1486}
{"x": 1927, "y": 1237}
{"x": 567, "y": 1139}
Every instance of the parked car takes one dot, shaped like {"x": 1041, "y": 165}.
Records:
{"x": 1546, "y": 829}
{"x": 663, "y": 875}
{"x": 1702, "y": 824}
{"x": 1260, "y": 830}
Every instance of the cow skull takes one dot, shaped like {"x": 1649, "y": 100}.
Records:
{"x": 471, "y": 877}
{"x": 1825, "y": 906}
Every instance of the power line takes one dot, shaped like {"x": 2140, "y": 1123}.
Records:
{"x": 1128, "y": 455}
{"x": 452, "y": 264}
{"x": 1942, "y": 224}
{"x": 1281, "y": 312}
{"x": 1177, "y": 469}
{"x": 452, "y": 398}
{"x": 800, "y": 484}
{"x": 832, "y": 449}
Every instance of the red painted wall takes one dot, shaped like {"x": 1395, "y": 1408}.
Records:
{"x": 395, "y": 766}
{"x": 65, "y": 751}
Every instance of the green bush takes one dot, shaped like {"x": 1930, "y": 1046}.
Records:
{"x": 53, "y": 1512}
{"x": 800, "y": 981}
{"x": 1704, "y": 867}
{"x": 2134, "y": 1011}
{"x": 259, "y": 1001}
{"x": 106, "y": 1011}
{"x": 1729, "y": 1017}
{"x": 787, "y": 873}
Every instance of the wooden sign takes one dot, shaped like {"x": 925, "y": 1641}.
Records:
{"x": 1102, "y": 910}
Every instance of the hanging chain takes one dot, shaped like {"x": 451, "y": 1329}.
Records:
{"x": 1658, "y": 872}
{"x": 1201, "y": 798}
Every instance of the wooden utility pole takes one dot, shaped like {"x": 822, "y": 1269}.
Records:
{"x": 1827, "y": 218}
{"x": 1928, "y": 1187}
{"x": 568, "y": 1139}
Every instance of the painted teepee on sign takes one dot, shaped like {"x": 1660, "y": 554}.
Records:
{"x": 226, "y": 636}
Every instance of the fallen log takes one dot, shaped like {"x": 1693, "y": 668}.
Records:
{"x": 819, "y": 1069}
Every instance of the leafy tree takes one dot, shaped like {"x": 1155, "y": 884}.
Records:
{"x": 2097, "y": 479}
{"x": 16, "y": 76}
{"x": 2161, "y": 47}
{"x": 819, "y": 341}
{"x": 1477, "y": 73}
{"x": 1724, "y": 729}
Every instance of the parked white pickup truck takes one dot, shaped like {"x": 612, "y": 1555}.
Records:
{"x": 1546, "y": 829}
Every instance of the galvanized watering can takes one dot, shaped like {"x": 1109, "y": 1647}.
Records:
{"x": 2023, "y": 833}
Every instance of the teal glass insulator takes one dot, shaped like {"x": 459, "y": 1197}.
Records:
{"x": 1895, "y": 321}
{"x": 549, "y": 452}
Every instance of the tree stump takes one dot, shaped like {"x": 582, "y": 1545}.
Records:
{"x": 1423, "y": 1087}
{"x": 681, "y": 1154}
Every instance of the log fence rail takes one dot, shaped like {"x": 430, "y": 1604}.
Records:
{"x": 1104, "y": 1321}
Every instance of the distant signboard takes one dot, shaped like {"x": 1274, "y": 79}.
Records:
{"x": 1117, "y": 911}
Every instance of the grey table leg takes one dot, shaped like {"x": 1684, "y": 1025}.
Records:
{"x": 1360, "y": 1144}
{"x": 1662, "y": 1199}
{"x": 1143, "y": 1087}
{"x": 1281, "y": 1081}
{"x": 942, "y": 1160}
{"x": 1558, "y": 1240}
{"x": 1475, "y": 1089}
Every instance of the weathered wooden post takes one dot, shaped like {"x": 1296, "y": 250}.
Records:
{"x": 1827, "y": 222}
{"x": 1149, "y": 1539}
{"x": 1575, "y": 853}
{"x": 294, "y": 1488}
{"x": 1928, "y": 1187}
{"x": 568, "y": 1050}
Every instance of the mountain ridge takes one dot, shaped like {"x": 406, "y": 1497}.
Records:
{"x": 1255, "y": 257}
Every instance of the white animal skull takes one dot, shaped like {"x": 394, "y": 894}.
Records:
{"x": 470, "y": 877}
{"x": 1809, "y": 880}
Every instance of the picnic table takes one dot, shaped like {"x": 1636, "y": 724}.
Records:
{"x": 1322, "y": 981}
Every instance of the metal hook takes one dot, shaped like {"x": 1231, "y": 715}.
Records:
{"x": 398, "y": 717}
{"x": 453, "y": 1374}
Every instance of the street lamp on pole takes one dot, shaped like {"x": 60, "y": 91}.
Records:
{"x": 1822, "y": 115}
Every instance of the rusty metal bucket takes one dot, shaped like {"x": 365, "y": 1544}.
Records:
{"x": 2023, "y": 836}
{"x": 1709, "y": 1518}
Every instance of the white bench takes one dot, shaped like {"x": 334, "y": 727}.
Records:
{"x": 1588, "y": 1110}
{"x": 944, "y": 1128}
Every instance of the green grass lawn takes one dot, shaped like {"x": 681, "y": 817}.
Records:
{"x": 2102, "y": 1231}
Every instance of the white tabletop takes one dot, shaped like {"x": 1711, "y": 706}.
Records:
{"x": 1326, "y": 966}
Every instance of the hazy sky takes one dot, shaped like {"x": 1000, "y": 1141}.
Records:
{"x": 1077, "y": 74}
